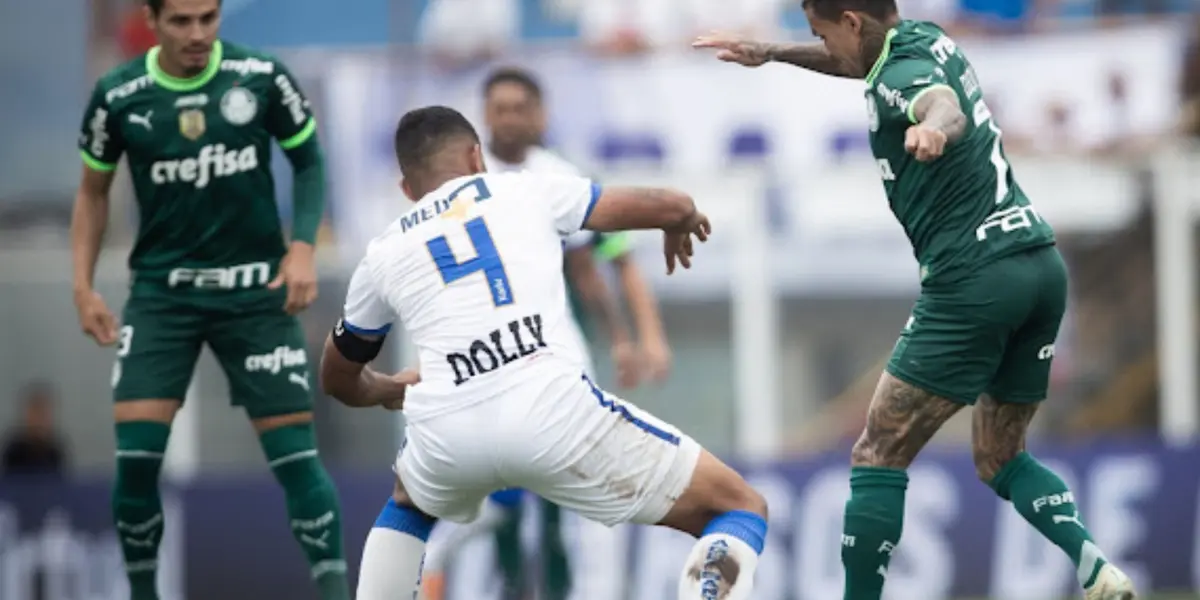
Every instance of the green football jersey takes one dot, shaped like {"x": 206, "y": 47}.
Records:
{"x": 964, "y": 209}
{"x": 199, "y": 154}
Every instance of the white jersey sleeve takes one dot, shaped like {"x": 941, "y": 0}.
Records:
{"x": 366, "y": 312}
{"x": 570, "y": 198}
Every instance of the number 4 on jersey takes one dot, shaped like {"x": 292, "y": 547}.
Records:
{"x": 487, "y": 258}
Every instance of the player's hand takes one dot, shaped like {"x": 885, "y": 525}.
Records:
{"x": 924, "y": 143}
{"x": 395, "y": 388}
{"x": 95, "y": 319}
{"x": 298, "y": 272}
{"x": 733, "y": 49}
{"x": 655, "y": 358}
{"x": 677, "y": 242}
{"x": 625, "y": 361}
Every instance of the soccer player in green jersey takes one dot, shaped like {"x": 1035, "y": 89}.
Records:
{"x": 993, "y": 285}
{"x": 194, "y": 118}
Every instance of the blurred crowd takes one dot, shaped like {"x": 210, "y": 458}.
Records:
{"x": 460, "y": 29}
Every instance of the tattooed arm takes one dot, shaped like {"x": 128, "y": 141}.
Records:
{"x": 938, "y": 121}
{"x": 811, "y": 56}
{"x": 937, "y": 108}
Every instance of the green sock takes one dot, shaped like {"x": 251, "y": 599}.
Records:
{"x": 509, "y": 557}
{"x": 556, "y": 568}
{"x": 1044, "y": 500}
{"x": 312, "y": 504}
{"x": 136, "y": 506}
{"x": 871, "y": 530}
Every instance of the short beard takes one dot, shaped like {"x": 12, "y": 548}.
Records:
{"x": 871, "y": 40}
{"x": 512, "y": 153}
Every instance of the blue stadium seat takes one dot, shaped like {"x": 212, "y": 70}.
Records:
{"x": 750, "y": 143}
{"x": 638, "y": 147}
{"x": 849, "y": 141}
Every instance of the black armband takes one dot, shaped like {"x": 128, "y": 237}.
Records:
{"x": 354, "y": 347}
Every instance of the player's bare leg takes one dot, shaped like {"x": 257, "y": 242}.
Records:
{"x": 730, "y": 519}
{"x": 901, "y": 420}
{"x": 314, "y": 514}
{"x": 1039, "y": 495}
{"x": 395, "y": 547}
{"x": 143, "y": 428}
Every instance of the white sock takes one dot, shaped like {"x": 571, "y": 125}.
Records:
{"x": 722, "y": 563}
{"x": 391, "y": 565}
{"x": 448, "y": 537}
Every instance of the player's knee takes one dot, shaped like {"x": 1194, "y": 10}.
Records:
{"x": 263, "y": 425}
{"x": 738, "y": 496}
{"x": 727, "y": 490}
{"x": 715, "y": 489}
{"x": 154, "y": 410}
{"x": 750, "y": 500}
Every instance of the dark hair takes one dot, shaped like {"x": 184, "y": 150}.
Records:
{"x": 424, "y": 132}
{"x": 513, "y": 75}
{"x": 831, "y": 10}
{"x": 156, "y": 6}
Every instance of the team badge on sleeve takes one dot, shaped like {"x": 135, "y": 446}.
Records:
{"x": 238, "y": 106}
{"x": 191, "y": 124}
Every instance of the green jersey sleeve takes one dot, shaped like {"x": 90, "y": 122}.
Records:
{"x": 902, "y": 82}
{"x": 100, "y": 142}
{"x": 612, "y": 245}
{"x": 289, "y": 116}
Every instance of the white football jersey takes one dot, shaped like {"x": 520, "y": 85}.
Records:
{"x": 474, "y": 273}
{"x": 540, "y": 160}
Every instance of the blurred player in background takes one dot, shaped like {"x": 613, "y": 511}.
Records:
{"x": 194, "y": 118}
{"x": 516, "y": 121}
{"x": 502, "y": 398}
{"x": 993, "y": 285}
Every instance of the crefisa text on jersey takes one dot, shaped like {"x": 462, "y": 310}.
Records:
{"x": 501, "y": 347}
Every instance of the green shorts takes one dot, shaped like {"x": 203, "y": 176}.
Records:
{"x": 991, "y": 333}
{"x": 260, "y": 348}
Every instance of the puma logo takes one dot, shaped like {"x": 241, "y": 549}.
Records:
{"x": 316, "y": 542}
{"x": 143, "y": 120}
{"x": 298, "y": 379}
{"x": 1065, "y": 519}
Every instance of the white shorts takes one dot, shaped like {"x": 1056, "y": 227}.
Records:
{"x": 561, "y": 438}
{"x": 585, "y": 349}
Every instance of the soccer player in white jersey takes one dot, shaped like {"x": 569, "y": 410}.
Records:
{"x": 515, "y": 118}
{"x": 473, "y": 272}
